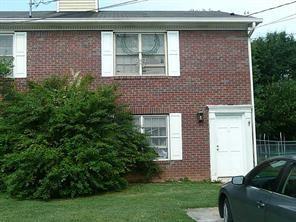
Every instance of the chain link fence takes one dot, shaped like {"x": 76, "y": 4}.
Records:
{"x": 271, "y": 148}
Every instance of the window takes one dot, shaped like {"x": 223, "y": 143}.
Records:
{"x": 6, "y": 45}
{"x": 6, "y": 49}
{"x": 157, "y": 129}
{"x": 140, "y": 54}
{"x": 13, "y": 49}
{"x": 289, "y": 188}
{"x": 268, "y": 177}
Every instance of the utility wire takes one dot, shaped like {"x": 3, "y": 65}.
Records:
{"x": 272, "y": 8}
{"x": 123, "y": 4}
{"x": 139, "y": 1}
{"x": 92, "y": 10}
{"x": 284, "y": 19}
{"x": 36, "y": 3}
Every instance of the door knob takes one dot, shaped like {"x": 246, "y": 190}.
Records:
{"x": 217, "y": 147}
{"x": 260, "y": 204}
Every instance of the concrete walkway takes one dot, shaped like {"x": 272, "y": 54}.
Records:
{"x": 204, "y": 214}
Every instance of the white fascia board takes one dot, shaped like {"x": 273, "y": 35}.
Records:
{"x": 230, "y": 108}
{"x": 137, "y": 20}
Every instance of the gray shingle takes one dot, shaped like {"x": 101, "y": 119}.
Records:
{"x": 117, "y": 14}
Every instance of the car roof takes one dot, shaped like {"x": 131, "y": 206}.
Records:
{"x": 291, "y": 158}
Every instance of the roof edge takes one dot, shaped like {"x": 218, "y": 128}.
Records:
{"x": 137, "y": 20}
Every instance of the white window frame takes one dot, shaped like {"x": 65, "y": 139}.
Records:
{"x": 167, "y": 129}
{"x": 141, "y": 54}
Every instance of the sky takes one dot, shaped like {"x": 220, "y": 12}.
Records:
{"x": 236, "y": 6}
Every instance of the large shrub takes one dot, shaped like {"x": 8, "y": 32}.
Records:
{"x": 60, "y": 139}
{"x": 6, "y": 84}
{"x": 6, "y": 66}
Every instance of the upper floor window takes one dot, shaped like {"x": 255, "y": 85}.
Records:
{"x": 13, "y": 47}
{"x": 6, "y": 45}
{"x": 140, "y": 54}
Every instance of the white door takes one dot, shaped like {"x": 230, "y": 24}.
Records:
{"x": 229, "y": 145}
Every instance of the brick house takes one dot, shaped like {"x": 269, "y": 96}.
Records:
{"x": 186, "y": 76}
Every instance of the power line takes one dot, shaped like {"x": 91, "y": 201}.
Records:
{"x": 284, "y": 19}
{"x": 36, "y": 3}
{"x": 272, "y": 8}
{"x": 124, "y": 3}
{"x": 92, "y": 10}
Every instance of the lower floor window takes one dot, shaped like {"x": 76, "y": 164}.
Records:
{"x": 156, "y": 127}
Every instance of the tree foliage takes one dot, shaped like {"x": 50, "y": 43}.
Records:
{"x": 6, "y": 84}
{"x": 276, "y": 110}
{"x": 60, "y": 139}
{"x": 6, "y": 65}
{"x": 274, "y": 61}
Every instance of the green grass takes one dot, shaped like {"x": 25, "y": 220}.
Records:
{"x": 139, "y": 203}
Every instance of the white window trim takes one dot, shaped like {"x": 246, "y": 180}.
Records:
{"x": 168, "y": 132}
{"x": 141, "y": 54}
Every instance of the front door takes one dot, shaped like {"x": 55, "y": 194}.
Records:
{"x": 229, "y": 145}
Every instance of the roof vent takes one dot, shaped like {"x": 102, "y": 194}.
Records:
{"x": 77, "y": 5}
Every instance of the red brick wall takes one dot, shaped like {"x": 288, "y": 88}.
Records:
{"x": 214, "y": 70}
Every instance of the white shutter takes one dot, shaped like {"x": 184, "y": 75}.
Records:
{"x": 176, "y": 136}
{"x": 20, "y": 55}
{"x": 173, "y": 53}
{"x": 107, "y": 54}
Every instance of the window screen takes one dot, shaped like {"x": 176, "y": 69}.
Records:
{"x": 6, "y": 45}
{"x": 156, "y": 127}
{"x": 140, "y": 54}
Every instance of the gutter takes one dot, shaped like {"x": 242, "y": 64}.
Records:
{"x": 134, "y": 20}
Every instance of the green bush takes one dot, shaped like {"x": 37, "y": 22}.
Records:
{"x": 6, "y": 84}
{"x": 6, "y": 66}
{"x": 60, "y": 139}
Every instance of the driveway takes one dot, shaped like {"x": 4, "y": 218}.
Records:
{"x": 204, "y": 214}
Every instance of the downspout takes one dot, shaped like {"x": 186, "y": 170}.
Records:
{"x": 251, "y": 31}
{"x": 30, "y": 8}
{"x": 58, "y": 6}
{"x": 97, "y": 5}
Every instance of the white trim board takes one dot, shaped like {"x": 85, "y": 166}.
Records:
{"x": 229, "y": 108}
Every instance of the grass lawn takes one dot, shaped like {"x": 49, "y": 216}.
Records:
{"x": 139, "y": 203}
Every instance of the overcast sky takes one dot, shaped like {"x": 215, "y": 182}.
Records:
{"x": 236, "y": 6}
